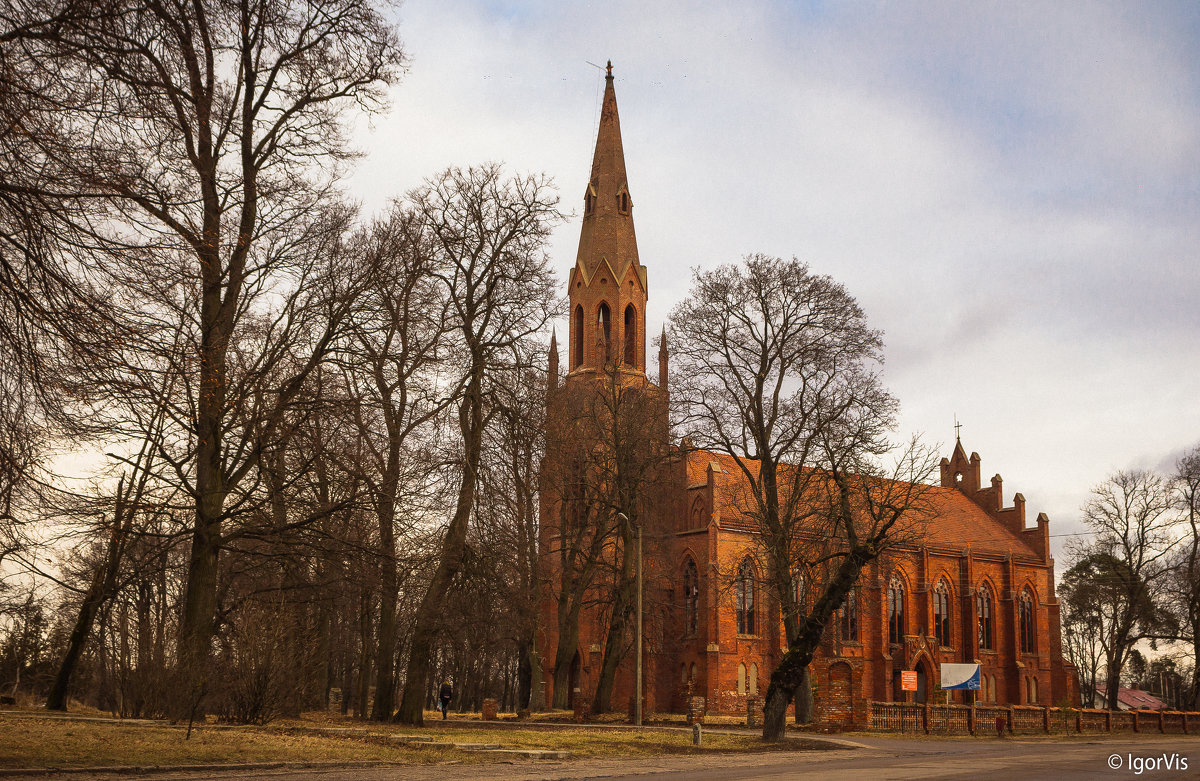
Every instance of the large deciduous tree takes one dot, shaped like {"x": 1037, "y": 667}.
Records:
{"x": 1121, "y": 571}
{"x": 487, "y": 233}
{"x": 777, "y": 367}
{"x": 188, "y": 148}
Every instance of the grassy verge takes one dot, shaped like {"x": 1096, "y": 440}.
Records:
{"x": 52, "y": 743}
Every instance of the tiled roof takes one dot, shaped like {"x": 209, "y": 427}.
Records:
{"x": 956, "y": 522}
{"x": 1134, "y": 699}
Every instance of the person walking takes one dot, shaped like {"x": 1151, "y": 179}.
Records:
{"x": 445, "y": 694}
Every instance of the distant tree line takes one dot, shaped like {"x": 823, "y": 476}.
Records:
{"x": 1134, "y": 582}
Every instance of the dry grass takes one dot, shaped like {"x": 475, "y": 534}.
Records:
{"x": 38, "y": 741}
{"x": 33, "y": 742}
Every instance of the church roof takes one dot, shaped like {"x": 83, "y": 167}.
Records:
{"x": 954, "y": 522}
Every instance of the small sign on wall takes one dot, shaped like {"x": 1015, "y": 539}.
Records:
{"x": 908, "y": 680}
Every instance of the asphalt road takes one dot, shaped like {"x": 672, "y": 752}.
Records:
{"x": 874, "y": 758}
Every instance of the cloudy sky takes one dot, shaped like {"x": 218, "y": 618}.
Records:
{"x": 1012, "y": 191}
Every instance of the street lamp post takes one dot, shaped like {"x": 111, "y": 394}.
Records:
{"x": 637, "y": 703}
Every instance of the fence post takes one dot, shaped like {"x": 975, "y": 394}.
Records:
{"x": 1009, "y": 714}
{"x": 925, "y": 717}
{"x": 1079, "y": 721}
{"x": 1161, "y": 726}
{"x": 1108, "y": 721}
{"x": 1185, "y": 724}
{"x": 971, "y": 718}
{"x": 1135, "y": 721}
{"x": 1046, "y": 719}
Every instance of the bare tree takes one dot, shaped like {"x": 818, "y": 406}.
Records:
{"x": 777, "y": 367}
{"x": 1183, "y": 583}
{"x": 1126, "y": 564}
{"x": 399, "y": 323}
{"x": 192, "y": 139}
{"x": 508, "y": 517}
{"x": 487, "y": 234}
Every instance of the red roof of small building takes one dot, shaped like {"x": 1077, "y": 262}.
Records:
{"x": 954, "y": 520}
{"x": 1134, "y": 699}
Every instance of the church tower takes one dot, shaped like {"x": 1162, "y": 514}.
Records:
{"x": 607, "y": 286}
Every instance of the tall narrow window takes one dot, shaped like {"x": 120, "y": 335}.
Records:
{"x": 1027, "y": 625}
{"x": 577, "y": 344}
{"x": 985, "y": 605}
{"x": 941, "y": 613}
{"x": 745, "y": 598}
{"x": 848, "y": 618}
{"x": 691, "y": 598}
{"x": 630, "y": 335}
{"x": 896, "y": 611}
{"x": 604, "y": 321}
{"x": 623, "y": 202}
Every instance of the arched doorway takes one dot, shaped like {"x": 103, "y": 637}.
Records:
{"x": 923, "y": 681}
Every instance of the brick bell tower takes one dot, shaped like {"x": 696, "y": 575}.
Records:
{"x": 607, "y": 286}
{"x": 606, "y": 339}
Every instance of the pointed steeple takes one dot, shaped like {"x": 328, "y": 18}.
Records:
{"x": 607, "y": 232}
{"x": 608, "y": 284}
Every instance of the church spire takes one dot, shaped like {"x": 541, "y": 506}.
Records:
{"x": 607, "y": 287}
{"x": 607, "y": 233}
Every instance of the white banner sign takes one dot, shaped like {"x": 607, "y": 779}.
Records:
{"x": 960, "y": 676}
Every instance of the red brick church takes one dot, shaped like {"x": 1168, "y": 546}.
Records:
{"x": 982, "y": 593}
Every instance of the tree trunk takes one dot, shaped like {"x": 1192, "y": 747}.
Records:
{"x": 79, "y": 635}
{"x": 525, "y": 664}
{"x": 615, "y": 638}
{"x": 385, "y": 658}
{"x": 803, "y": 698}
{"x": 792, "y": 670}
{"x": 470, "y": 418}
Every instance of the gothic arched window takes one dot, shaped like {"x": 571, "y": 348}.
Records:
{"x": 941, "y": 613}
{"x": 604, "y": 321}
{"x": 985, "y": 604}
{"x": 691, "y": 598}
{"x": 745, "y": 598}
{"x": 630, "y": 335}
{"x": 1027, "y": 625}
{"x": 577, "y": 345}
{"x": 896, "y": 611}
